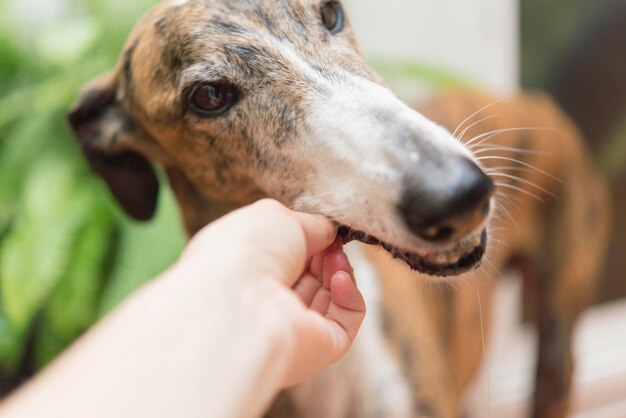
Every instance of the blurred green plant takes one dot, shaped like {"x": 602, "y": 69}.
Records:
{"x": 399, "y": 70}
{"x": 67, "y": 254}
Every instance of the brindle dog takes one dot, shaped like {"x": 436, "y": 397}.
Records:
{"x": 249, "y": 98}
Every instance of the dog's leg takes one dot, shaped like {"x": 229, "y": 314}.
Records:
{"x": 563, "y": 275}
{"x": 554, "y": 358}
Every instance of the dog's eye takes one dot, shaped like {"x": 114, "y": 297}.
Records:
{"x": 211, "y": 100}
{"x": 332, "y": 16}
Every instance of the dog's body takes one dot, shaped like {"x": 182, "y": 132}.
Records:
{"x": 244, "y": 99}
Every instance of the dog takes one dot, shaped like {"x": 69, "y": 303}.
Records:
{"x": 244, "y": 99}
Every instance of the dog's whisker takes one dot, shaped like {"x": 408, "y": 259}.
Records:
{"x": 521, "y": 190}
{"x": 516, "y": 150}
{"x": 521, "y": 180}
{"x": 460, "y": 138}
{"x": 499, "y": 214}
{"x": 454, "y": 285}
{"x": 500, "y": 242}
{"x": 493, "y": 174}
{"x": 505, "y": 130}
{"x": 477, "y": 146}
{"x": 509, "y": 199}
{"x": 513, "y": 149}
{"x": 508, "y": 213}
{"x": 500, "y": 169}
{"x": 482, "y": 109}
{"x": 494, "y": 229}
{"x": 492, "y": 266}
{"x": 495, "y": 157}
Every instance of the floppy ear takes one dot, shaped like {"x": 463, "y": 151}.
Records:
{"x": 104, "y": 129}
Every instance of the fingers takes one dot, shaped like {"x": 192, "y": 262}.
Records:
{"x": 335, "y": 296}
{"x": 313, "y": 288}
{"x": 335, "y": 261}
{"x": 323, "y": 339}
{"x": 347, "y": 307}
{"x": 321, "y": 301}
{"x": 316, "y": 267}
{"x": 336, "y": 309}
{"x": 294, "y": 236}
{"x": 278, "y": 242}
{"x": 307, "y": 287}
{"x": 319, "y": 232}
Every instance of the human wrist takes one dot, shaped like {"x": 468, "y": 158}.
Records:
{"x": 247, "y": 320}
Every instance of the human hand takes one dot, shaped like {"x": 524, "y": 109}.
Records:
{"x": 295, "y": 269}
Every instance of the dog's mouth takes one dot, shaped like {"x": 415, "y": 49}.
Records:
{"x": 464, "y": 256}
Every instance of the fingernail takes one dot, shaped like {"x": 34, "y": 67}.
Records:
{"x": 351, "y": 276}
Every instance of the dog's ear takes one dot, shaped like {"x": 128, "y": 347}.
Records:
{"x": 104, "y": 131}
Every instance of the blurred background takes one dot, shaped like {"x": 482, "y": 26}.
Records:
{"x": 68, "y": 255}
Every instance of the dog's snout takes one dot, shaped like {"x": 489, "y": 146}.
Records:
{"x": 446, "y": 201}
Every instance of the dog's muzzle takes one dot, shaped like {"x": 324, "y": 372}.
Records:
{"x": 445, "y": 204}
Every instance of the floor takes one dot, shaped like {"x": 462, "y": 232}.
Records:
{"x": 503, "y": 389}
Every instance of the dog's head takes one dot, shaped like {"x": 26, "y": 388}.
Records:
{"x": 247, "y": 97}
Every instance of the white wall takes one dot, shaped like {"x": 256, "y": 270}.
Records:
{"x": 477, "y": 39}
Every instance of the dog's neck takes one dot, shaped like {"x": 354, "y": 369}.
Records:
{"x": 198, "y": 210}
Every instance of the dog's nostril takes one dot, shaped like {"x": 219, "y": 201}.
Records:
{"x": 446, "y": 202}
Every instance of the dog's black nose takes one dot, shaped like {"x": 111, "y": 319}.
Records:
{"x": 446, "y": 199}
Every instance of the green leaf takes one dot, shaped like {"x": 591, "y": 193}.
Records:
{"x": 73, "y": 306}
{"x": 432, "y": 76}
{"x": 56, "y": 247}
{"x": 49, "y": 343}
{"x": 10, "y": 60}
{"x": 37, "y": 249}
{"x": 11, "y": 345}
{"x": 145, "y": 251}
{"x": 22, "y": 144}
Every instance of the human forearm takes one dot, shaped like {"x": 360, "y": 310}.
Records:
{"x": 155, "y": 340}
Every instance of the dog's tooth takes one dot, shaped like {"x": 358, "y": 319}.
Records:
{"x": 441, "y": 259}
{"x": 454, "y": 258}
{"x": 476, "y": 241}
{"x": 431, "y": 232}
